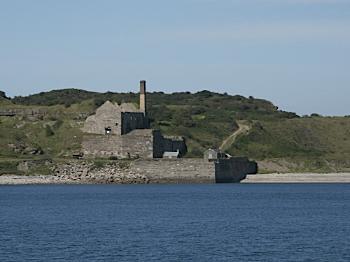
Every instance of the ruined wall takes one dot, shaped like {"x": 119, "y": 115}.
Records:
{"x": 107, "y": 116}
{"x": 234, "y": 169}
{"x": 132, "y": 121}
{"x": 190, "y": 170}
{"x": 120, "y": 119}
{"x": 30, "y": 113}
{"x": 167, "y": 144}
{"x": 173, "y": 144}
{"x": 128, "y": 134}
{"x": 137, "y": 143}
{"x": 158, "y": 147}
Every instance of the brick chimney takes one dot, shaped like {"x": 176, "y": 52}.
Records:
{"x": 143, "y": 96}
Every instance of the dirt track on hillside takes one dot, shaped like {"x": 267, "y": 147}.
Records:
{"x": 243, "y": 128}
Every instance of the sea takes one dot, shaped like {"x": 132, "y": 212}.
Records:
{"x": 219, "y": 222}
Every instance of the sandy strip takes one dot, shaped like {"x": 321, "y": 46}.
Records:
{"x": 298, "y": 178}
{"x": 259, "y": 178}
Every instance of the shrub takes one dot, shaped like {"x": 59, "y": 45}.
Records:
{"x": 57, "y": 124}
{"x": 48, "y": 131}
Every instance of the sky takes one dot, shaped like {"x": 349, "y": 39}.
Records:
{"x": 295, "y": 53}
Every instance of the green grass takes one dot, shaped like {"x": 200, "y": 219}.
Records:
{"x": 319, "y": 144}
{"x": 204, "y": 118}
{"x": 9, "y": 167}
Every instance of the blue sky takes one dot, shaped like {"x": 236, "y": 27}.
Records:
{"x": 295, "y": 53}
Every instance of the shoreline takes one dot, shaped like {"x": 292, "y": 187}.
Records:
{"x": 297, "y": 178}
{"x": 285, "y": 178}
{"x": 34, "y": 180}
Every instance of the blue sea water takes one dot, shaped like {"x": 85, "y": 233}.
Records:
{"x": 231, "y": 222}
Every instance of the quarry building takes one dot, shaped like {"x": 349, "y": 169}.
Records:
{"x": 123, "y": 131}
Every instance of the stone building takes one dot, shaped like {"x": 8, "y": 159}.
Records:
{"x": 215, "y": 154}
{"x": 123, "y": 131}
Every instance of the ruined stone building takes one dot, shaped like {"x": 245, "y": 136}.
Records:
{"x": 123, "y": 131}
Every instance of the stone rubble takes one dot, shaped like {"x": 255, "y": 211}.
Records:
{"x": 85, "y": 172}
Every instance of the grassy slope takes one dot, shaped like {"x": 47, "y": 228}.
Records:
{"x": 314, "y": 144}
{"x": 204, "y": 118}
{"x": 57, "y": 134}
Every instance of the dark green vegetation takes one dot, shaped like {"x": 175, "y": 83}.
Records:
{"x": 205, "y": 119}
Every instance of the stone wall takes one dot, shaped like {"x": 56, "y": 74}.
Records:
{"x": 233, "y": 170}
{"x": 107, "y": 116}
{"x": 158, "y": 147}
{"x": 30, "y": 113}
{"x": 139, "y": 143}
{"x": 173, "y": 144}
{"x": 167, "y": 144}
{"x": 132, "y": 121}
{"x": 116, "y": 118}
{"x": 122, "y": 131}
{"x": 136, "y": 144}
{"x": 193, "y": 170}
{"x": 185, "y": 170}
{"x": 139, "y": 171}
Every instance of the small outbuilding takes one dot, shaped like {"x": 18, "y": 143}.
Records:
{"x": 215, "y": 154}
{"x": 171, "y": 155}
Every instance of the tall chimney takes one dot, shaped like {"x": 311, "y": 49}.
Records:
{"x": 143, "y": 96}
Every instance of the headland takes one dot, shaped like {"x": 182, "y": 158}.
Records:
{"x": 154, "y": 137}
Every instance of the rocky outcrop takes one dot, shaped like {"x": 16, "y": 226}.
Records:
{"x": 86, "y": 172}
{"x": 25, "y": 149}
{"x": 32, "y": 114}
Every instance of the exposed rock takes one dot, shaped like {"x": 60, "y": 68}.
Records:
{"x": 25, "y": 149}
{"x": 82, "y": 116}
{"x": 33, "y": 151}
{"x": 86, "y": 172}
{"x": 18, "y": 147}
{"x": 23, "y": 166}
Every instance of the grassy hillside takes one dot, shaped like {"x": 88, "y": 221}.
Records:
{"x": 205, "y": 119}
{"x": 308, "y": 143}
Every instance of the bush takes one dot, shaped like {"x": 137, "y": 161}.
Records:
{"x": 195, "y": 152}
{"x": 67, "y": 103}
{"x": 3, "y": 94}
{"x": 58, "y": 124}
{"x": 48, "y": 131}
{"x": 99, "y": 164}
{"x": 98, "y": 101}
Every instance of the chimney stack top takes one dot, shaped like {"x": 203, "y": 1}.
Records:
{"x": 143, "y": 86}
